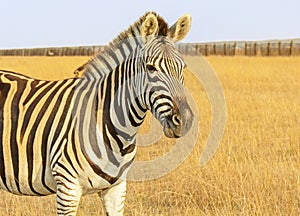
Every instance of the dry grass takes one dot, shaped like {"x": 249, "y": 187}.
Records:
{"x": 256, "y": 170}
{"x": 48, "y": 68}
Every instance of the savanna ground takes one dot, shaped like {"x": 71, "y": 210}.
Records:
{"x": 256, "y": 170}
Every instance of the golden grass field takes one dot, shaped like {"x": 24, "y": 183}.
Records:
{"x": 256, "y": 170}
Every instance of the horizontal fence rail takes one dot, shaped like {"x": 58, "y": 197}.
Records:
{"x": 53, "y": 51}
{"x": 229, "y": 48}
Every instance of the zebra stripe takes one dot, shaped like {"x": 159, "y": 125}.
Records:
{"x": 77, "y": 136}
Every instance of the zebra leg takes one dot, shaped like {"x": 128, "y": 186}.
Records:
{"x": 67, "y": 198}
{"x": 114, "y": 199}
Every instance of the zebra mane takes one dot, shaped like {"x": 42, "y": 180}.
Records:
{"x": 135, "y": 29}
{"x": 110, "y": 56}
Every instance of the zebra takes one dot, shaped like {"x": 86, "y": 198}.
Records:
{"x": 76, "y": 136}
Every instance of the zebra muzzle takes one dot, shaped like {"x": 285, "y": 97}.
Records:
{"x": 180, "y": 122}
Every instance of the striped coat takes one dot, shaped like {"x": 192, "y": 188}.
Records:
{"x": 77, "y": 136}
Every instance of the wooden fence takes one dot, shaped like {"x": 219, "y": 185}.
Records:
{"x": 244, "y": 48}
{"x": 240, "y": 48}
{"x": 53, "y": 51}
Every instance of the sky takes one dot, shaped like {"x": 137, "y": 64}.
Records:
{"x": 55, "y": 23}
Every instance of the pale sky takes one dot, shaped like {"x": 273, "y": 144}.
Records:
{"x": 37, "y": 23}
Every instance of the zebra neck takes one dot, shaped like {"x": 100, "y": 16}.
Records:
{"x": 102, "y": 139}
{"x": 123, "y": 113}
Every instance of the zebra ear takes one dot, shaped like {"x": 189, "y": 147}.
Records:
{"x": 149, "y": 27}
{"x": 179, "y": 30}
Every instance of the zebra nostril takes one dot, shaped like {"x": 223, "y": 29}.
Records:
{"x": 176, "y": 119}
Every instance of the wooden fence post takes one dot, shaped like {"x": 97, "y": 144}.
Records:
{"x": 296, "y": 47}
{"x": 285, "y": 48}
{"x": 274, "y": 48}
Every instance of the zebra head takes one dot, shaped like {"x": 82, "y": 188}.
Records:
{"x": 163, "y": 67}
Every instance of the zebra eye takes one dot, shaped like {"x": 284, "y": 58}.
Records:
{"x": 151, "y": 68}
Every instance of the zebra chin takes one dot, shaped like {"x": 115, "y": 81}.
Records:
{"x": 170, "y": 133}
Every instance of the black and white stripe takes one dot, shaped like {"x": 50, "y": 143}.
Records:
{"x": 77, "y": 136}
